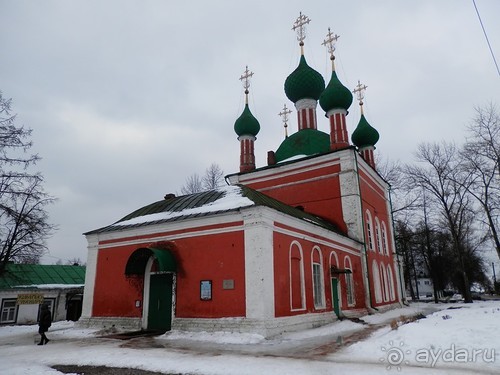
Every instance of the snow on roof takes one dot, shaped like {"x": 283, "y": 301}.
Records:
{"x": 232, "y": 199}
{"x": 292, "y": 158}
{"x": 52, "y": 286}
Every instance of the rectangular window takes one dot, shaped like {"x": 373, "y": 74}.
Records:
{"x": 319, "y": 301}
{"x": 378, "y": 236}
{"x": 9, "y": 311}
{"x": 384, "y": 240}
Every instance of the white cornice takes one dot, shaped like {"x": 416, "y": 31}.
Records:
{"x": 174, "y": 226}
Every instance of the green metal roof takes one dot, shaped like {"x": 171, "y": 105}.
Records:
{"x": 304, "y": 142}
{"x": 191, "y": 201}
{"x": 17, "y": 275}
{"x": 246, "y": 124}
{"x": 304, "y": 83}
{"x": 261, "y": 199}
{"x": 364, "y": 135}
{"x": 336, "y": 95}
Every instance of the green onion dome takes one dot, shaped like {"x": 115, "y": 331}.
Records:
{"x": 364, "y": 135}
{"x": 303, "y": 143}
{"x": 304, "y": 83}
{"x": 336, "y": 95}
{"x": 246, "y": 124}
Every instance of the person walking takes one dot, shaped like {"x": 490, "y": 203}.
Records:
{"x": 44, "y": 323}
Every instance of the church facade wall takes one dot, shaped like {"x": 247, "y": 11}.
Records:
{"x": 303, "y": 272}
{"x": 378, "y": 237}
{"x": 312, "y": 184}
{"x": 213, "y": 253}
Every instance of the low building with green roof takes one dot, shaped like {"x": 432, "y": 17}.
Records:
{"x": 25, "y": 287}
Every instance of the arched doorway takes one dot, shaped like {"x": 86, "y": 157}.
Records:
{"x": 158, "y": 267}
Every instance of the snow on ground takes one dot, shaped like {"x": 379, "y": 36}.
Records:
{"x": 461, "y": 340}
{"x": 215, "y": 337}
{"x": 464, "y": 336}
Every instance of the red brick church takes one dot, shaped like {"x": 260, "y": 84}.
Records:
{"x": 301, "y": 242}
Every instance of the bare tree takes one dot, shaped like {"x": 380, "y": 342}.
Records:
{"x": 212, "y": 179}
{"x": 24, "y": 225}
{"x": 481, "y": 167}
{"x": 403, "y": 198}
{"x": 193, "y": 185}
{"x": 438, "y": 176}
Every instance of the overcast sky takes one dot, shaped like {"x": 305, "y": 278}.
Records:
{"x": 128, "y": 98}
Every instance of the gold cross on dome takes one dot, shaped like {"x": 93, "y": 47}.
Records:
{"x": 330, "y": 41}
{"x": 245, "y": 79}
{"x": 300, "y": 27}
{"x": 284, "y": 117}
{"x": 360, "y": 92}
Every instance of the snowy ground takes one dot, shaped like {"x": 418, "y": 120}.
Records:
{"x": 452, "y": 339}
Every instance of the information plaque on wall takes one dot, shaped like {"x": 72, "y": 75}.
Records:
{"x": 206, "y": 290}
{"x": 228, "y": 284}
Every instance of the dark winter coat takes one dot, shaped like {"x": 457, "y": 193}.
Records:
{"x": 45, "y": 319}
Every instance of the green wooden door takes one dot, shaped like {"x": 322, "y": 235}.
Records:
{"x": 335, "y": 296}
{"x": 160, "y": 302}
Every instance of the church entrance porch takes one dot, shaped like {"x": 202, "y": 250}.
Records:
{"x": 158, "y": 269}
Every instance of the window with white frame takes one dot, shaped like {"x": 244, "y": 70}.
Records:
{"x": 369, "y": 230}
{"x": 297, "y": 285}
{"x": 383, "y": 277}
{"x": 376, "y": 282}
{"x": 378, "y": 235}
{"x": 349, "y": 283}
{"x": 317, "y": 279}
{"x": 384, "y": 239}
{"x": 390, "y": 280}
{"x": 9, "y": 311}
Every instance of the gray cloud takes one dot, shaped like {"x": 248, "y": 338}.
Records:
{"x": 128, "y": 98}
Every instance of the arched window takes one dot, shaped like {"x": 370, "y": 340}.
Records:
{"x": 376, "y": 282}
{"x": 369, "y": 230}
{"x": 297, "y": 288}
{"x": 383, "y": 279}
{"x": 378, "y": 236}
{"x": 318, "y": 279}
{"x": 384, "y": 239}
{"x": 351, "y": 297}
{"x": 390, "y": 281}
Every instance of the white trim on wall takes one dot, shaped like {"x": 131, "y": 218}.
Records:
{"x": 302, "y": 281}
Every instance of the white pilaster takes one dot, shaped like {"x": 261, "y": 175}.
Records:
{"x": 90, "y": 274}
{"x": 259, "y": 264}
{"x": 351, "y": 199}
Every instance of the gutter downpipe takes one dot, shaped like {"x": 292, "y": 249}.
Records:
{"x": 364, "y": 259}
